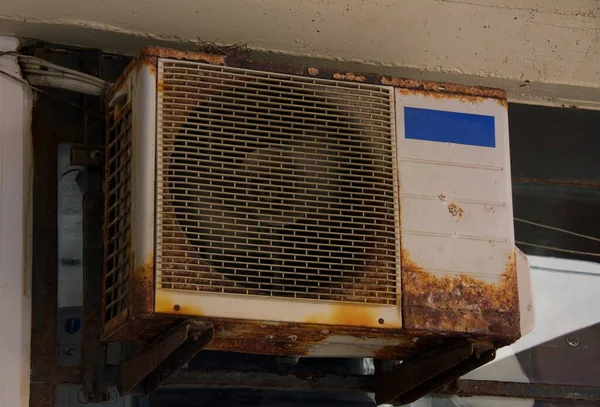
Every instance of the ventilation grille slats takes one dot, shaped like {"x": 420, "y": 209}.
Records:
{"x": 275, "y": 185}
{"x": 118, "y": 258}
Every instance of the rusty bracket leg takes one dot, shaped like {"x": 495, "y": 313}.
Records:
{"x": 413, "y": 379}
{"x": 153, "y": 365}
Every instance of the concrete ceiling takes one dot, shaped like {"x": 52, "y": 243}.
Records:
{"x": 546, "y": 51}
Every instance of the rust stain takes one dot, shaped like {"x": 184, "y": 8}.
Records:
{"x": 349, "y": 76}
{"x": 142, "y": 288}
{"x": 298, "y": 339}
{"x": 456, "y": 211}
{"x": 459, "y": 303}
{"x": 149, "y": 61}
{"x": 167, "y": 305}
{"x": 465, "y": 94}
{"x": 179, "y": 54}
{"x": 265, "y": 338}
{"x": 348, "y": 315}
{"x": 459, "y": 291}
{"x": 409, "y": 86}
{"x": 149, "y": 55}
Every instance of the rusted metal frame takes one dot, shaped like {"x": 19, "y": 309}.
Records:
{"x": 148, "y": 55}
{"x": 44, "y": 344}
{"x": 537, "y": 391}
{"x": 412, "y": 377}
{"x": 475, "y": 361}
{"x": 93, "y": 355}
{"x": 162, "y": 358}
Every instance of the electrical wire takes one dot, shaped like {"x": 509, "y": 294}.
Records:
{"x": 541, "y": 225}
{"x": 39, "y": 72}
{"x": 558, "y": 249}
{"x": 50, "y": 94}
{"x": 36, "y": 64}
{"x": 554, "y": 248}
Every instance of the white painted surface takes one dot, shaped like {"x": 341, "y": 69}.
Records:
{"x": 15, "y": 209}
{"x": 455, "y": 199}
{"x": 526, "y": 301}
{"x": 552, "y": 44}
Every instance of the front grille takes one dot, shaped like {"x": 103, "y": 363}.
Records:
{"x": 117, "y": 223}
{"x": 275, "y": 185}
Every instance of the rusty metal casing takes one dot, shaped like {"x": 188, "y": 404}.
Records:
{"x": 149, "y": 286}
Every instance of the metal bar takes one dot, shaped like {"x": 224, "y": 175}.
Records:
{"x": 93, "y": 355}
{"x": 475, "y": 361}
{"x": 223, "y": 379}
{"x": 414, "y": 374}
{"x": 44, "y": 344}
{"x": 537, "y": 391}
{"x": 160, "y": 359}
{"x": 93, "y": 351}
{"x": 200, "y": 334}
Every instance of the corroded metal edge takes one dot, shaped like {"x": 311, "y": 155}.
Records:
{"x": 149, "y": 55}
{"x": 460, "y": 303}
{"x": 298, "y": 339}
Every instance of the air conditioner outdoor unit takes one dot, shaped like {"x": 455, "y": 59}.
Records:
{"x": 307, "y": 211}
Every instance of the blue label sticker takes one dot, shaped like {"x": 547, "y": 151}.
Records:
{"x": 72, "y": 325}
{"x": 449, "y": 127}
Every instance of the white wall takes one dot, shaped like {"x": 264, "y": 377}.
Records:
{"x": 15, "y": 238}
{"x": 565, "y": 295}
{"x": 552, "y": 44}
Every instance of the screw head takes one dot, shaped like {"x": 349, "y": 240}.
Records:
{"x": 572, "y": 340}
{"x": 381, "y": 321}
{"x": 176, "y": 307}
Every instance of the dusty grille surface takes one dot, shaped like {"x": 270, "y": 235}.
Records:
{"x": 118, "y": 213}
{"x": 275, "y": 185}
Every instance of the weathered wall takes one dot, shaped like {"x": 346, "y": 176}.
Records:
{"x": 546, "y": 50}
{"x": 15, "y": 210}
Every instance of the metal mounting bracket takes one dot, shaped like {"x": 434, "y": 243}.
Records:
{"x": 156, "y": 362}
{"x": 414, "y": 379}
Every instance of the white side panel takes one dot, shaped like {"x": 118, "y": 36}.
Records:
{"x": 16, "y": 169}
{"x": 143, "y": 99}
{"x": 526, "y": 300}
{"x": 455, "y": 197}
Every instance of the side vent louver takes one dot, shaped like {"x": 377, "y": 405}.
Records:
{"x": 119, "y": 259}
